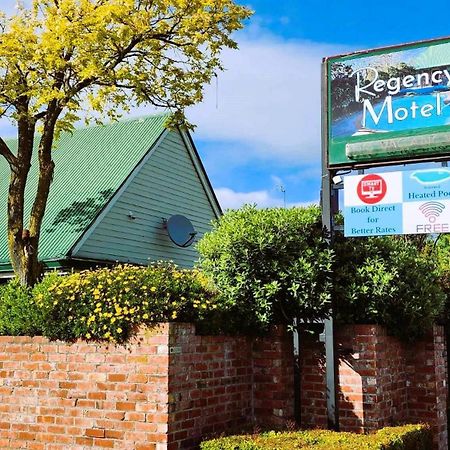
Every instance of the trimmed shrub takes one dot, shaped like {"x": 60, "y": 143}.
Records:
{"x": 407, "y": 437}
{"x": 269, "y": 265}
{"x": 109, "y": 304}
{"x": 18, "y": 313}
{"x": 389, "y": 281}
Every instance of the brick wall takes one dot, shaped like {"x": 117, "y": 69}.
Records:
{"x": 273, "y": 379}
{"x": 164, "y": 390}
{"x": 427, "y": 378}
{"x": 169, "y": 387}
{"x": 312, "y": 380}
{"x": 59, "y": 396}
{"x": 219, "y": 383}
{"x": 372, "y": 378}
{"x": 210, "y": 385}
{"x": 381, "y": 381}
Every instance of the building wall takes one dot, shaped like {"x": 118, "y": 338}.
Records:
{"x": 168, "y": 184}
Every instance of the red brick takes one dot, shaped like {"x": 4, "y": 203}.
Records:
{"x": 125, "y": 406}
{"x": 114, "y": 434}
{"x": 107, "y": 443}
{"x": 96, "y": 395}
{"x": 138, "y": 395}
{"x": 95, "y": 432}
{"x": 116, "y": 377}
{"x": 84, "y": 441}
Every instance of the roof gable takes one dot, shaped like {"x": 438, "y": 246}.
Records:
{"x": 90, "y": 166}
{"x": 170, "y": 180}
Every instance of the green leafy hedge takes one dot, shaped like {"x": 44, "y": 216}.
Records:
{"x": 105, "y": 304}
{"x": 407, "y": 437}
{"x": 19, "y": 314}
{"x": 390, "y": 281}
{"x": 440, "y": 251}
{"x": 269, "y": 265}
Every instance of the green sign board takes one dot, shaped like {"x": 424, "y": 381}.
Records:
{"x": 389, "y": 105}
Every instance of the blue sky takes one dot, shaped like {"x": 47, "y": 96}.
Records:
{"x": 263, "y": 131}
{"x": 266, "y": 129}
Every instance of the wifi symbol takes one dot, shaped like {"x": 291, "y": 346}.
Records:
{"x": 432, "y": 210}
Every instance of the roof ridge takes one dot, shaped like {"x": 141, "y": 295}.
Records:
{"x": 139, "y": 118}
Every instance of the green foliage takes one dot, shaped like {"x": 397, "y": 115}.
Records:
{"x": 440, "y": 251}
{"x": 18, "y": 313}
{"x": 111, "y": 303}
{"x": 407, "y": 437}
{"x": 51, "y": 324}
{"x": 389, "y": 281}
{"x": 105, "y": 304}
{"x": 269, "y": 266}
{"x": 273, "y": 265}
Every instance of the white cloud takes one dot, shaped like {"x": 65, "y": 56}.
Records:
{"x": 230, "y": 199}
{"x": 268, "y": 98}
{"x": 277, "y": 181}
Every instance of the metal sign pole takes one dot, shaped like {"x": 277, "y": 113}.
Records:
{"x": 328, "y": 200}
{"x": 297, "y": 373}
{"x": 330, "y": 360}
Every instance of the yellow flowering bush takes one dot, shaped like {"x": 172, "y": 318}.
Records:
{"x": 110, "y": 303}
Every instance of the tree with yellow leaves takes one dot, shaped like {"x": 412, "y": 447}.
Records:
{"x": 65, "y": 59}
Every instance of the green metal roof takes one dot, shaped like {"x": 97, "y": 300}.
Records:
{"x": 90, "y": 165}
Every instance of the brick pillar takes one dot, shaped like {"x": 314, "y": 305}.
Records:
{"x": 427, "y": 378}
{"x": 210, "y": 386}
{"x": 355, "y": 388}
{"x": 372, "y": 378}
{"x": 358, "y": 387}
{"x": 313, "y": 412}
{"x": 273, "y": 378}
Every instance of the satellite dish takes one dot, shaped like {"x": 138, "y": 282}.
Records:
{"x": 180, "y": 230}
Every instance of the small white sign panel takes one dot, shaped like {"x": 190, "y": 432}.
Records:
{"x": 410, "y": 202}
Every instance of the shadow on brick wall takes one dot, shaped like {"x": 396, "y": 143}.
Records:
{"x": 313, "y": 408}
{"x": 382, "y": 381}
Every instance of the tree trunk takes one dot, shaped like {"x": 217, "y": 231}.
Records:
{"x": 22, "y": 247}
{"x": 23, "y": 244}
{"x": 30, "y": 238}
{"x": 24, "y": 259}
{"x": 18, "y": 244}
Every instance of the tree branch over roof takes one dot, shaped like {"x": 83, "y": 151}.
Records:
{"x": 7, "y": 154}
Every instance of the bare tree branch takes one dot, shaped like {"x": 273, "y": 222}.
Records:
{"x": 7, "y": 154}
